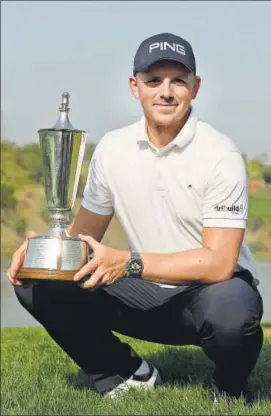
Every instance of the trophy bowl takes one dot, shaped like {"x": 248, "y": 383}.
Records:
{"x": 56, "y": 255}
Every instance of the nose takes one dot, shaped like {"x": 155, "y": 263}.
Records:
{"x": 166, "y": 90}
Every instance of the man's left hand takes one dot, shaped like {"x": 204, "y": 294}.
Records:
{"x": 106, "y": 267}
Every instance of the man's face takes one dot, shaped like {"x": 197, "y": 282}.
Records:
{"x": 165, "y": 91}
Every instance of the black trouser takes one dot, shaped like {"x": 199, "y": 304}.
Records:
{"x": 223, "y": 318}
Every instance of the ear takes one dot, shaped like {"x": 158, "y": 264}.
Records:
{"x": 196, "y": 87}
{"x": 133, "y": 82}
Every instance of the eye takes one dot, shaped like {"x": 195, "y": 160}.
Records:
{"x": 179, "y": 81}
{"x": 153, "y": 81}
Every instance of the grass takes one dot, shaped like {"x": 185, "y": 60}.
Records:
{"x": 38, "y": 378}
{"x": 259, "y": 204}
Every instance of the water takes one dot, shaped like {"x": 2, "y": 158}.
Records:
{"x": 13, "y": 314}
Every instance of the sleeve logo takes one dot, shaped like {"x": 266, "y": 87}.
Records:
{"x": 234, "y": 209}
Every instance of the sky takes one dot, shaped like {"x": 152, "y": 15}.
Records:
{"x": 87, "y": 48}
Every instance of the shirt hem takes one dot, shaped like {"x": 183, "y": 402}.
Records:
{"x": 96, "y": 209}
{"x": 224, "y": 223}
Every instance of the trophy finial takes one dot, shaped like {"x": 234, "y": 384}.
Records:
{"x": 63, "y": 122}
{"x": 65, "y": 102}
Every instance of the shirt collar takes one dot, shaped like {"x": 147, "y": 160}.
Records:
{"x": 184, "y": 137}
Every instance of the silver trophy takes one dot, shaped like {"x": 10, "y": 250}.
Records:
{"x": 56, "y": 255}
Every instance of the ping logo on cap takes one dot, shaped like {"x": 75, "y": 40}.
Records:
{"x": 163, "y": 46}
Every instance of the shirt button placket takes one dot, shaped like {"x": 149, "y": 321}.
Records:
{"x": 159, "y": 184}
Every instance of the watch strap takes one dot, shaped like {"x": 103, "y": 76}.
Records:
{"x": 134, "y": 256}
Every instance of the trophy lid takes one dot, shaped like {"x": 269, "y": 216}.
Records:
{"x": 63, "y": 122}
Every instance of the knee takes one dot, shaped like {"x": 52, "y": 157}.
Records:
{"x": 32, "y": 295}
{"x": 225, "y": 329}
{"x": 231, "y": 313}
{"x": 24, "y": 295}
{"x": 229, "y": 324}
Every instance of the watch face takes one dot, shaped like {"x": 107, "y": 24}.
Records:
{"x": 135, "y": 267}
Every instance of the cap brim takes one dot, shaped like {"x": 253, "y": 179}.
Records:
{"x": 149, "y": 64}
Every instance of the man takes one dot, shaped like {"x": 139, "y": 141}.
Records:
{"x": 179, "y": 189}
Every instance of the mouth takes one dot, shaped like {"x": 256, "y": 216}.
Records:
{"x": 166, "y": 105}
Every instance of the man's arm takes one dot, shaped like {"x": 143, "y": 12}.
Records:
{"x": 224, "y": 214}
{"x": 89, "y": 223}
{"x": 214, "y": 262}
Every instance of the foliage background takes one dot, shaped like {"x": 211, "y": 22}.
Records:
{"x": 24, "y": 208}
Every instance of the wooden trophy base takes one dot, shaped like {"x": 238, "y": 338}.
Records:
{"x": 46, "y": 274}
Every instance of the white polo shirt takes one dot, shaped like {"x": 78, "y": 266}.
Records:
{"x": 164, "y": 197}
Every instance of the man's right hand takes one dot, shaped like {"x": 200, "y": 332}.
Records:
{"x": 18, "y": 260}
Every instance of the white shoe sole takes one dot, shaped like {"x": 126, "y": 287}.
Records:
{"x": 121, "y": 389}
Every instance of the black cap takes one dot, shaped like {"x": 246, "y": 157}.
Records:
{"x": 164, "y": 46}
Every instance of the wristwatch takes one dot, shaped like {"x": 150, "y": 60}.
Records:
{"x": 134, "y": 266}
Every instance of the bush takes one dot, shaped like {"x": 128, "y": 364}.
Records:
{"x": 255, "y": 224}
{"x": 267, "y": 173}
{"x": 21, "y": 226}
{"x": 82, "y": 181}
{"x": 259, "y": 205}
{"x": 255, "y": 169}
{"x": 8, "y": 199}
{"x": 45, "y": 215}
{"x": 89, "y": 150}
{"x": 29, "y": 158}
{"x": 257, "y": 246}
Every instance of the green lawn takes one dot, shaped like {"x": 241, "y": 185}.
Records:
{"x": 39, "y": 379}
{"x": 260, "y": 205}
